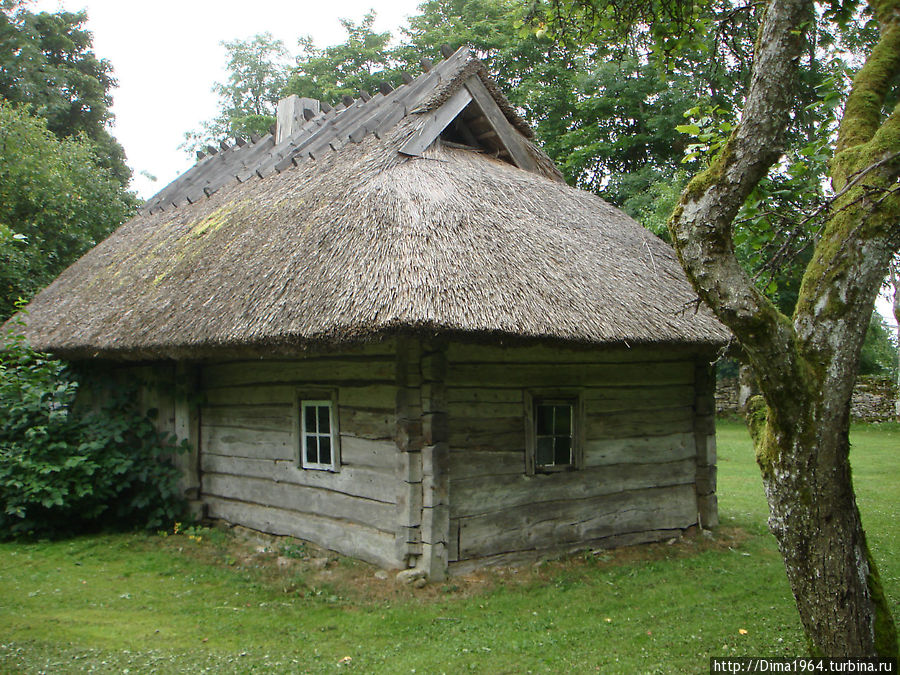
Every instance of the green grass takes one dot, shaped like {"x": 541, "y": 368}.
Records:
{"x": 141, "y": 603}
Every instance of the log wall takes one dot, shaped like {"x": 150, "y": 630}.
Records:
{"x": 645, "y": 414}
{"x": 248, "y": 451}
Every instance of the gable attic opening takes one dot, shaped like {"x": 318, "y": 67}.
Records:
{"x": 472, "y": 118}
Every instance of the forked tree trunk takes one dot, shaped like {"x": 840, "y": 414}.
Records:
{"x": 806, "y": 365}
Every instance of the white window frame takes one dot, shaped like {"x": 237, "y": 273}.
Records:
{"x": 319, "y": 399}
{"x": 553, "y": 397}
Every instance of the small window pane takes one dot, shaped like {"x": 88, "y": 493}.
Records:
{"x": 312, "y": 450}
{"x": 563, "y": 450}
{"x": 544, "y": 454}
{"x": 324, "y": 450}
{"x": 562, "y": 420}
{"x": 309, "y": 414}
{"x": 324, "y": 422}
{"x": 544, "y": 415}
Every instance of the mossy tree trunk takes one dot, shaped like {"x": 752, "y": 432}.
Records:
{"x": 806, "y": 364}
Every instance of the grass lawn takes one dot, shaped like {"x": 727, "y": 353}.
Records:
{"x": 212, "y": 603}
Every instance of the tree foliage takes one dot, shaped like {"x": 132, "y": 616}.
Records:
{"x": 47, "y": 61}
{"x": 67, "y": 468}
{"x": 56, "y": 202}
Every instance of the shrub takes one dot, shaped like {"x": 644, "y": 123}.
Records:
{"x": 68, "y": 468}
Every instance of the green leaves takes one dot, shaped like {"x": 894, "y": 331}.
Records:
{"x": 64, "y": 465}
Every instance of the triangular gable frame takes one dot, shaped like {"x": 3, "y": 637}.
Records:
{"x": 472, "y": 91}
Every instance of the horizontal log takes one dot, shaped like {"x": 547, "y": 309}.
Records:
{"x": 254, "y": 417}
{"x": 248, "y": 443}
{"x": 643, "y": 450}
{"x": 305, "y": 500}
{"x": 559, "y": 523}
{"x": 648, "y": 397}
{"x": 371, "y": 424}
{"x": 366, "y": 452}
{"x": 659, "y": 422}
{"x": 369, "y": 370}
{"x": 366, "y": 396}
{"x": 483, "y": 395}
{"x": 501, "y": 433}
{"x": 369, "y": 544}
{"x": 489, "y": 494}
{"x": 467, "y": 463}
{"x": 364, "y": 482}
{"x": 570, "y": 374}
{"x": 458, "y": 352}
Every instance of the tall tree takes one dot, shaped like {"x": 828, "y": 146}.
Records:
{"x": 807, "y": 362}
{"x": 56, "y": 202}
{"x": 47, "y": 61}
{"x": 257, "y": 73}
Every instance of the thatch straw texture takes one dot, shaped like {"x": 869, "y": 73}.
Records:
{"x": 364, "y": 242}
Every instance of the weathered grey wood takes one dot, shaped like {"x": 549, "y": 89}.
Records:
{"x": 613, "y": 399}
{"x": 660, "y": 422}
{"x": 261, "y": 417}
{"x": 569, "y": 521}
{"x": 372, "y": 396}
{"x": 318, "y": 371}
{"x": 236, "y": 442}
{"x": 371, "y": 424}
{"x": 364, "y": 482}
{"x": 461, "y": 567}
{"x": 365, "y": 452}
{"x": 502, "y": 433}
{"x": 307, "y": 500}
{"x": 461, "y": 352}
{"x": 570, "y": 375}
{"x": 369, "y": 544}
{"x": 511, "y": 139}
{"x": 466, "y": 463}
{"x": 489, "y": 494}
{"x": 435, "y": 123}
{"x": 476, "y": 394}
{"x": 640, "y": 450}
{"x": 453, "y": 544}
{"x": 187, "y": 428}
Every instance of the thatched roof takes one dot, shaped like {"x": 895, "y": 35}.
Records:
{"x": 356, "y": 240}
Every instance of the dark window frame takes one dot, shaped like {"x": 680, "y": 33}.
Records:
{"x": 553, "y": 397}
{"x": 319, "y": 399}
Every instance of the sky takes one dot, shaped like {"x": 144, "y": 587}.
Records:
{"x": 166, "y": 56}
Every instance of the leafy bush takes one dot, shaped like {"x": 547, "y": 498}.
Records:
{"x": 67, "y": 468}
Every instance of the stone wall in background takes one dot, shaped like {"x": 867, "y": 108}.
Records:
{"x": 873, "y": 398}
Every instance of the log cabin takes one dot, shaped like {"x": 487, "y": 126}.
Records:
{"x": 390, "y": 328}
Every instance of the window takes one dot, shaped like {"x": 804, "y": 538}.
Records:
{"x": 553, "y": 432}
{"x": 319, "y": 440}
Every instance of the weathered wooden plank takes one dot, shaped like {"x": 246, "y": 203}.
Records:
{"x": 512, "y": 139}
{"x": 460, "y": 352}
{"x": 256, "y": 417}
{"x": 310, "y": 500}
{"x": 476, "y": 394}
{"x": 248, "y": 443}
{"x": 500, "y": 433}
{"x": 468, "y": 463}
{"x": 363, "y": 396}
{"x": 558, "y": 523}
{"x": 365, "y": 482}
{"x": 627, "y": 424}
{"x": 610, "y": 399}
{"x": 369, "y": 544}
{"x": 480, "y": 410}
{"x": 486, "y": 494}
{"x": 436, "y": 122}
{"x": 642, "y": 450}
{"x": 570, "y": 374}
{"x": 365, "y": 452}
{"x": 316, "y": 371}
{"x": 371, "y": 424}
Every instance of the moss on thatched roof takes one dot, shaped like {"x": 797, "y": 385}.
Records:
{"x": 363, "y": 241}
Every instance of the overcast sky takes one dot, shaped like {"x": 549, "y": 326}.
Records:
{"x": 166, "y": 55}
